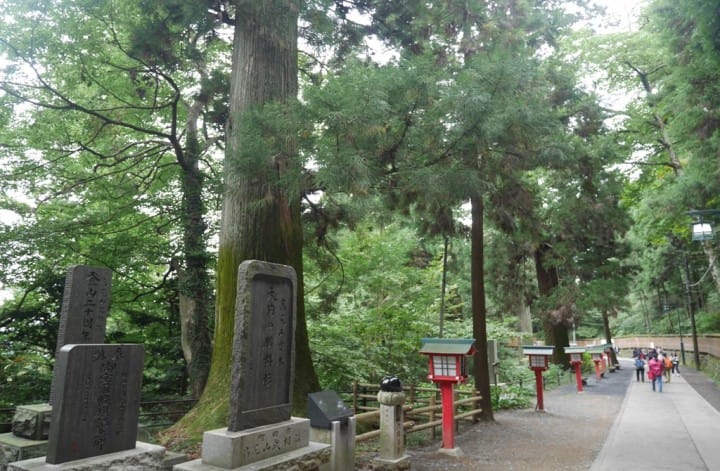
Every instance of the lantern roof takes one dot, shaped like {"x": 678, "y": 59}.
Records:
{"x": 574, "y": 349}
{"x": 538, "y": 349}
{"x": 447, "y": 346}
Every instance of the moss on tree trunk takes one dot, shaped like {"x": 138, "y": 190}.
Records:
{"x": 261, "y": 204}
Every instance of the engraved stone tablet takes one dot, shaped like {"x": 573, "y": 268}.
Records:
{"x": 98, "y": 398}
{"x": 86, "y": 301}
{"x": 264, "y": 345}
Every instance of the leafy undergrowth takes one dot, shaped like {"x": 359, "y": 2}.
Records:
{"x": 711, "y": 367}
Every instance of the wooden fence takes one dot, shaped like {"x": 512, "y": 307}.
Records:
{"x": 707, "y": 344}
{"x": 423, "y": 408}
{"x": 153, "y": 414}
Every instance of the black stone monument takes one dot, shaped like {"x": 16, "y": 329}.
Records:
{"x": 83, "y": 315}
{"x": 97, "y": 402}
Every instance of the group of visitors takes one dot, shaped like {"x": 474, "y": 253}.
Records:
{"x": 659, "y": 365}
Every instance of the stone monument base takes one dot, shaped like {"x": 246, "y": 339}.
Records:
{"x": 382, "y": 464}
{"x": 32, "y": 421}
{"x": 18, "y": 448}
{"x": 277, "y": 446}
{"x": 311, "y": 458}
{"x": 455, "y": 452}
{"x": 144, "y": 456}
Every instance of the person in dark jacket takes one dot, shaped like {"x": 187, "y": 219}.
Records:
{"x": 639, "y": 369}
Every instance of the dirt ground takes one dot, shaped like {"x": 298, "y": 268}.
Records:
{"x": 567, "y": 436}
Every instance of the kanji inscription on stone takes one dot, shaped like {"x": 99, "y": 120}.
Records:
{"x": 97, "y": 403}
{"x": 263, "y": 346}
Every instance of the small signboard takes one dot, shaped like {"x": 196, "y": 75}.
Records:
{"x": 326, "y": 407}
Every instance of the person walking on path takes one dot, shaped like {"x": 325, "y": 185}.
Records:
{"x": 668, "y": 366}
{"x": 675, "y": 364}
{"x": 639, "y": 369}
{"x": 655, "y": 372}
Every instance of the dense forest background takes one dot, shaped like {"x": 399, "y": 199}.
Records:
{"x": 507, "y": 170}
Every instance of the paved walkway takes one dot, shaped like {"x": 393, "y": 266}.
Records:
{"x": 677, "y": 429}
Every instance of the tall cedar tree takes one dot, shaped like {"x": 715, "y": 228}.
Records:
{"x": 261, "y": 204}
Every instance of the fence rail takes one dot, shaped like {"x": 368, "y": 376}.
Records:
{"x": 152, "y": 413}
{"x": 423, "y": 408}
{"x": 707, "y": 344}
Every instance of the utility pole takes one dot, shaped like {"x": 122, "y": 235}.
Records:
{"x": 691, "y": 311}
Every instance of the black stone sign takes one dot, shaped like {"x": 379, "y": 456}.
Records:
{"x": 326, "y": 407}
{"x": 263, "y": 346}
{"x": 98, "y": 398}
{"x": 86, "y": 301}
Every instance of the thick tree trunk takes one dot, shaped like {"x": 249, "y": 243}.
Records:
{"x": 261, "y": 204}
{"x": 193, "y": 279}
{"x": 524, "y": 318}
{"x": 556, "y": 333}
{"x": 477, "y": 276}
{"x": 712, "y": 260}
{"x": 608, "y": 337}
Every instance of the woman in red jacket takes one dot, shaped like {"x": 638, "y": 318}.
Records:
{"x": 655, "y": 372}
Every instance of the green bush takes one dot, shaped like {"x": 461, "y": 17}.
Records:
{"x": 511, "y": 397}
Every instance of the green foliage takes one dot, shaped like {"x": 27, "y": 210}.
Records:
{"x": 511, "y": 397}
{"x": 369, "y": 313}
{"x": 711, "y": 368}
{"x": 708, "y": 322}
{"x": 588, "y": 366}
{"x": 24, "y": 377}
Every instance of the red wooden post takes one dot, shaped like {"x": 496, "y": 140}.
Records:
{"x": 539, "y": 356}
{"x": 448, "y": 419}
{"x": 539, "y": 388}
{"x": 597, "y": 367}
{"x": 578, "y": 376}
{"x": 447, "y": 366}
{"x": 576, "y": 353}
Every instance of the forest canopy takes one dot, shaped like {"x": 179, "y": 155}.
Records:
{"x": 491, "y": 170}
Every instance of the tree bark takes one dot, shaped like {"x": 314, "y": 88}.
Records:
{"x": 712, "y": 261}
{"x": 261, "y": 203}
{"x": 193, "y": 281}
{"x": 608, "y": 337}
{"x": 524, "y": 318}
{"x": 556, "y": 333}
{"x": 480, "y": 364}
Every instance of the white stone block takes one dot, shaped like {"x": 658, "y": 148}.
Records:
{"x": 228, "y": 450}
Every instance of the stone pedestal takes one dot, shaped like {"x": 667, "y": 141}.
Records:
{"x": 171, "y": 459}
{"x": 15, "y": 448}
{"x": 341, "y": 438}
{"x": 269, "y": 447}
{"x": 392, "y": 435}
{"x": 144, "y": 457}
{"x": 32, "y": 421}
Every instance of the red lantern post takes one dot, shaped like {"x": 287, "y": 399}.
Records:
{"x": 447, "y": 367}
{"x": 539, "y": 359}
{"x": 576, "y": 361}
{"x": 597, "y": 357}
